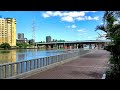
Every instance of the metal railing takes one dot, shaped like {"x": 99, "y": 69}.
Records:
{"x": 12, "y": 69}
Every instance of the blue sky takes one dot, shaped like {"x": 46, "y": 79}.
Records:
{"x": 65, "y": 25}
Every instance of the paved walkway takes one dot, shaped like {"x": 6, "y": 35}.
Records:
{"x": 89, "y": 66}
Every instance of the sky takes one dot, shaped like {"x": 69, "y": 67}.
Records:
{"x": 64, "y": 25}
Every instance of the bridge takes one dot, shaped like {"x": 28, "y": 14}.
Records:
{"x": 74, "y": 44}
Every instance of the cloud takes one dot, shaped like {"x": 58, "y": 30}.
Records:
{"x": 87, "y": 18}
{"x": 89, "y": 11}
{"x": 49, "y": 13}
{"x": 67, "y": 18}
{"x": 80, "y": 18}
{"x": 70, "y": 16}
{"x": 75, "y": 14}
{"x": 81, "y": 30}
{"x": 57, "y": 13}
{"x": 45, "y": 15}
{"x": 72, "y": 26}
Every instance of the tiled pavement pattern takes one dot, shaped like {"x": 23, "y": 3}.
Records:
{"x": 89, "y": 66}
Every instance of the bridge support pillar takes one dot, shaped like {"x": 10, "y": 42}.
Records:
{"x": 90, "y": 46}
{"x": 51, "y": 46}
{"x": 46, "y": 47}
{"x": 58, "y": 46}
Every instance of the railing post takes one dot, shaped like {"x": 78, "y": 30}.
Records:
{"x": 0, "y": 72}
{"x": 30, "y": 64}
{"x": 52, "y": 59}
{"x": 34, "y": 63}
{"x": 57, "y": 58}
{"x": 48, "y": 60}
{"x": 27, "y": 66}
{"x": 41, "y": 62}
{"x": 18, "y": 68}
{"x": 38, "y": 63}
{"x": 22, "y": 67}
{"x": 12, "y": 69}
{"x": 6, "y": 71}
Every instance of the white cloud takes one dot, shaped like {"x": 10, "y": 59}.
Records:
{"x": 49, "y": 13}
{"x": 76, "y": 14}
{"x": 80, "y": 18}
{"x": 45, "y": 15}
{"x": 81, "y": 30}
{"x": 91, "y": 18}
{"x": 89, "y": 11}
{"x": 67, "y": 18}
{"x": 70, "y": 16}
{"x": 87, "y": 18}
{"x": 57, "y": 13}
{"x": 96, "y": 18}
{"x": 72, "y": 26}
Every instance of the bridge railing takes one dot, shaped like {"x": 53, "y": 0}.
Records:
{"x": 16, "y": 68}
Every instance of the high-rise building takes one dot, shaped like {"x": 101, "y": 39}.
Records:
{"x": 21, "y": 36}
{"x": 8, "y": 31}
{"x": 48, "y": 38}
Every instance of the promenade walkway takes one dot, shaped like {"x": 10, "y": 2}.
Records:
{"x": 89, "y": 66}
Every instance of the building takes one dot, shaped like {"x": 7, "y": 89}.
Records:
{"x": 22, "y": 40}
{"x": 48, "y": 39}
{"x": 32, "y": 41}
{"x": 8, "y": 31}
{"x": 21, "y": 36}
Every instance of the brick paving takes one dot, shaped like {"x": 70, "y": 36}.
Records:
{"x": 89, "y": 66}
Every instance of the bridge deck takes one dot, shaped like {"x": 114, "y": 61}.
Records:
{"x": 89, "y": 66}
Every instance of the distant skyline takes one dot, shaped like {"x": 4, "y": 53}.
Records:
{"x": 64, "y": 25}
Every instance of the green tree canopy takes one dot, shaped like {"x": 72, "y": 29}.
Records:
{"x": 111, "y": 26}
{"x": 5, "y": 46}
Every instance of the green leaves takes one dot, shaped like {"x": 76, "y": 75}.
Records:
{"x": 5, "y": 46}
{"x": 113, "y": 32}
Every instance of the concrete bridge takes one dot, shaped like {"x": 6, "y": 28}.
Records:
{"x": 75, "y": 44}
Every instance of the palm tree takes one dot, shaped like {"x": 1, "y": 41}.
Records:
{"x": 113, "y": 33}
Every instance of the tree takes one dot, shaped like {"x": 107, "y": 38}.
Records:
{"x": 22, "y": 45}
{"x": 113, "y": 33}
{"x": 5, "y": 46}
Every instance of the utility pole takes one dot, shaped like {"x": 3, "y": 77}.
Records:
{"x": 33, "y": 31}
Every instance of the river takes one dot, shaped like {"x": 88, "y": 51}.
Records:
{"x": 7, "y": 56}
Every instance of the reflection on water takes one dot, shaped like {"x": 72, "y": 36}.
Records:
{"x": 7, "y": 56}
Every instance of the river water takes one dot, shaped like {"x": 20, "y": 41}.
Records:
{"x": 7, "y": 56}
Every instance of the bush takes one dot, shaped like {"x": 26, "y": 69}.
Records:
{"x": 113, "y": 73}
{"x": 5, "y": 46}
